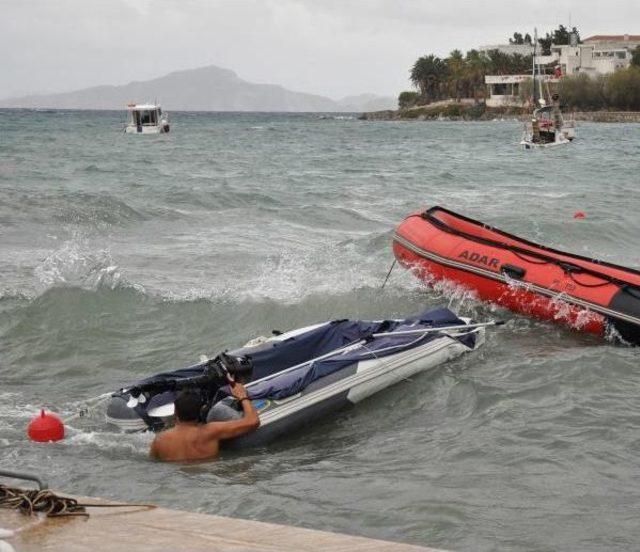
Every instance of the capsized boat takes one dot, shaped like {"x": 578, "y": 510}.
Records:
{"x": 587, "y": 294}
{"x": 301, "y": 375}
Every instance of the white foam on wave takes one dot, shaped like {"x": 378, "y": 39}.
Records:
{"x": 75, "y": 263}
{"x": 292, "y": 275}
{"x": 130, "y": 443}
{"x": 10, "y": 407}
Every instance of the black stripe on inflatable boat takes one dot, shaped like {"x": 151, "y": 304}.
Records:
{"x": 566, "y": 266}
{"x": 567, "y": 298}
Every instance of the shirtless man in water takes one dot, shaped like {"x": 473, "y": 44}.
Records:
{"x": 191, "y": 440}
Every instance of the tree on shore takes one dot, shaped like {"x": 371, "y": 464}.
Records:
{"x": 476, "y": 69}
{"x": 635, "y": 57}
{"x": 561, "y": 35}
{"x": 457, "y": 84}
{"x": 618, "y": 91}
{"x": 408, "y": 98}
{"x": 462, "y": 76}
{"x": 519, "y": 39}
{"x": 427, "y": 74}
{"x": 622, "y": 89}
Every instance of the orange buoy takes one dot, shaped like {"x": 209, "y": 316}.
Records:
{"x": 45, "y": 427}
{"x": 579, "y": 215}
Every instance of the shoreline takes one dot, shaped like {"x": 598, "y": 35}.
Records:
{"x": 459, "y": 111}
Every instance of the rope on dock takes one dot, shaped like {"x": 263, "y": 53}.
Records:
{"x": 34, "y": 501}
{"x": 30, "y": 502}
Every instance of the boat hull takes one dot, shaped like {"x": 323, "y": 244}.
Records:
{"x": 588, "y": 295}
{"x": 372, "y": 364}
{"x": 349, "y": 387}
{"x": 528, "y": 144}
{"x": 162, "y": 128}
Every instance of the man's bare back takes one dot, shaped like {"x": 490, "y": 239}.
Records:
{"x": 190, "y": 440}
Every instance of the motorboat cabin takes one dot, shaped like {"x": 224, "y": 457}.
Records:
{"x": 146, "y": 119}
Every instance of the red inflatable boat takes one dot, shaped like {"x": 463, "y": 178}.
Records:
{"x": 589, "y": 295}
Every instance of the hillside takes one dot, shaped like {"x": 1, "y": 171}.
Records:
{"x": 205, "y": 89}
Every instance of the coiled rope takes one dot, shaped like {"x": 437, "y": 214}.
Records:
{"x": 44, "y": 501}
{"x": 30, "y": 502}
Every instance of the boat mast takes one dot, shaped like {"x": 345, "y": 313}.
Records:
{"x": 533, "y": 67}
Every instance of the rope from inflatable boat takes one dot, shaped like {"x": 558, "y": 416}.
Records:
{"x": 567, "y": 267}
{"x": 30, "y": 502}
{"x": 45, "y": 501}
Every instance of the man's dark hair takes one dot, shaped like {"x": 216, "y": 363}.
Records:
{"x": 188, "y": 405}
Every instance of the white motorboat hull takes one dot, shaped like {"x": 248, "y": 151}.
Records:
{"x": 162, "y": 128}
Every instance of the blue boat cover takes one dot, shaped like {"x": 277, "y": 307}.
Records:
{"x": 272, "y": 357}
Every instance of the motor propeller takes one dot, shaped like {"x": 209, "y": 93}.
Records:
{"x": 217, "y": 372}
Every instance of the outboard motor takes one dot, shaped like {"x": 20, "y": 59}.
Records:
{"x": 142, "y": 406}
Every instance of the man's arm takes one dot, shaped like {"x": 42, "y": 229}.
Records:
{"x": 235, "y": 428}
{"x": 154, "y": 451}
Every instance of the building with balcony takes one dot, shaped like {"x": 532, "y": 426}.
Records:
{"x": 597, "y": 55}
{"x": 505, "y": 90}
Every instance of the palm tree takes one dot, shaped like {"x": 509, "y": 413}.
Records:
{"x": 456, "y": 71}
{"x": 426, "y": 74}
{"x": 476, "y": 64}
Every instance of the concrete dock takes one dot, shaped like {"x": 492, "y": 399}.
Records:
{"x": 142, "y": 528}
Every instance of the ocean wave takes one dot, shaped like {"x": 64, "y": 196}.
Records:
{"x": 66, "y": 206}
{"x": 85, "y": 208}
{"x": 76, "y": 264}
{"x": 217, "y": 197}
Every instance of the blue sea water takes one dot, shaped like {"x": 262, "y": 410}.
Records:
{"x": 123, "y": 255}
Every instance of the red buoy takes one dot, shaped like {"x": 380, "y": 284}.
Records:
{"x": 46, "y": 427}
{"x": 579, "y": 215}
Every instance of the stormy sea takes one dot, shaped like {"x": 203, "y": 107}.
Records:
{"x": 122, "y": 256}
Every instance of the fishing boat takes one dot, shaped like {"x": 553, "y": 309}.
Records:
{"x": 146, "y": 119}
{"x": 547, "y": 127}
{"x": 302, "y": 375}
{"x": 588, "y": 294}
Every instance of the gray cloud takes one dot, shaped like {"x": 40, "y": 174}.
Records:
{"x": 328, "y": 47}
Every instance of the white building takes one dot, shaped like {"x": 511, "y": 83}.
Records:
{"x": 504, "y": 90}
{"x": 626, "y": 41}
{"x": 597, "y": 55}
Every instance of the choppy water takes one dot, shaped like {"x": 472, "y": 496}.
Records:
{"x": 121, "y": 256}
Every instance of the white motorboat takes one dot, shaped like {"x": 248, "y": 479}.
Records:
{"x": 146, "y": 119}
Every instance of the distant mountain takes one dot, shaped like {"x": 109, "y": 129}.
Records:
{"x": 205, "y": 89}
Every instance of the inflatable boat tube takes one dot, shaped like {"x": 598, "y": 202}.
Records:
{"x": 587, "y": 294}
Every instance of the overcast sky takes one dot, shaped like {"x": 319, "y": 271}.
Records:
{"x": 329, "y": 47}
